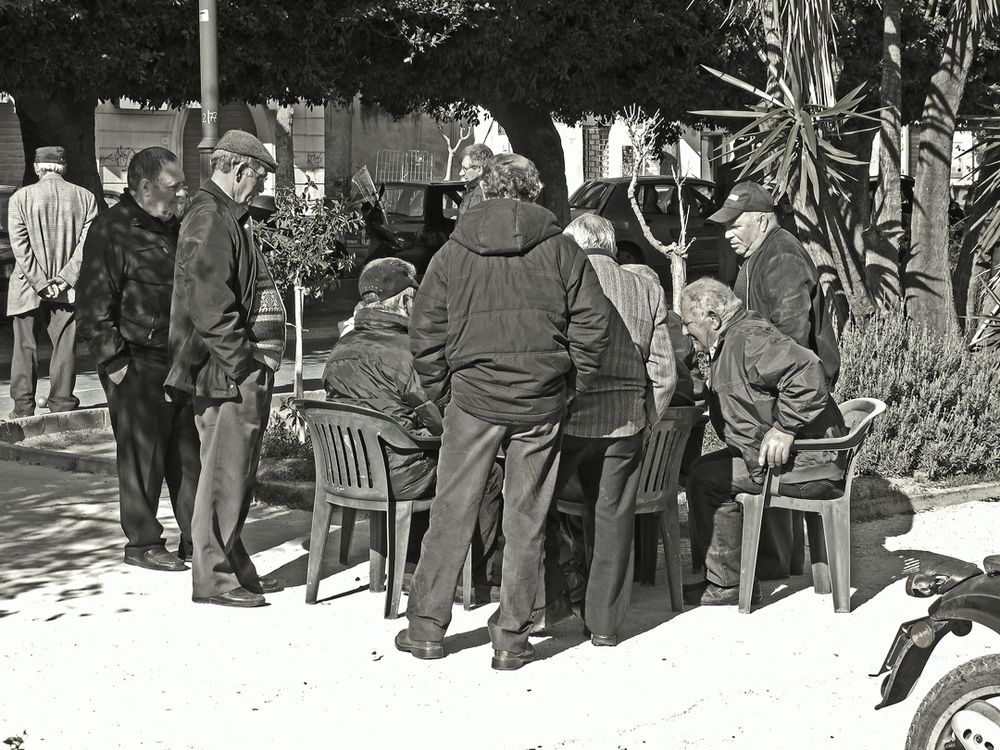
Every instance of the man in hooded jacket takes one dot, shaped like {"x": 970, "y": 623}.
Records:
{"x": 511, "y": 320}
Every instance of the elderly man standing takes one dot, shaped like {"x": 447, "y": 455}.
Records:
{"x": 126, "y": 281}
{"x": 510, "y": 317}
{"x": 605, "y": 430}
{"x": 48, "y": 223}
{"x": 372, "y": 366}
{"x": 765, "y": 390}
{"x": 227, "y": 338}
{"x": 778, "y": 280}
{"x": 474, "y": 157}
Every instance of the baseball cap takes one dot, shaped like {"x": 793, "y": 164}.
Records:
{"x": 745, "y": 196}
{"x": 386, "y": 278}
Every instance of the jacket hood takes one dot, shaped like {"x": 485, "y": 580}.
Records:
{"x": 503, "y": 226}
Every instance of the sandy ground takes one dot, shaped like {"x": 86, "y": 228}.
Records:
{"x": 97, "y": 655}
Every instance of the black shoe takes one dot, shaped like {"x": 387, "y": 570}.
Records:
{"x": 698, "y": 586}
{"x": 419, "y": 649}
{"x": 508, "y": 661}
{"x": 156, "y": 558}
{"x": 238, "y": 597}
{"x": 603, "y": 640}
{"x": 268, "y": 586}
{"x": 714, "y": 596}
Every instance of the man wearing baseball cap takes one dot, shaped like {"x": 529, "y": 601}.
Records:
{"x": 227, "y": 338}
{"x": 372, "y": 366}
{"x": 778, "y": 280}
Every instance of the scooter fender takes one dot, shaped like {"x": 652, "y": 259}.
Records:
{"x": 975, "y": 600}
{"x": 906, "y": 660}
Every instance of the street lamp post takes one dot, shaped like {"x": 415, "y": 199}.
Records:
{"x": 208, "y": 47}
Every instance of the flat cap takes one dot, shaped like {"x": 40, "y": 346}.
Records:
{"x": 50, "y": 155}
{"x": 243, "y": 143}
{"x": 745, "y": 196}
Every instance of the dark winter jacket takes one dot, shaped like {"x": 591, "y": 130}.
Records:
{"x": 762, "y": 379}
{"x": 125, "y": 285}
{"x": 214, "y": 282}
{"x": 510, "y": 315}
{"x": 372, "y": 366}
{"x": 473, "y": 196}
{"x": 781, "y": 282}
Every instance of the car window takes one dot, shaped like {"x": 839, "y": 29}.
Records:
{"x": 450, "y": 201}
{"x": 404, "y": 200}
{"x": 698, "y": 198}
{"x": 589, "y": 196}
{"x": 653, "y": 199}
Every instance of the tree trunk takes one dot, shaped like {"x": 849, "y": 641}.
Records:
{"x": 61, "y": 121}
{"x": 284, "y": 148}
{"x": 338, "y": 135}
{"x": 974, "y": 262}
{"x": 533, "y": 134}
{"x": 882, "y": 240}
{"x": 772, "y": 43}
{"x": 927, "y": 277}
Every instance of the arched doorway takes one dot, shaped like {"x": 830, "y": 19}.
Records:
{"x": 231, "y": 116}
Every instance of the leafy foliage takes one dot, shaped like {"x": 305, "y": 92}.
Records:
{"x": 943, "y": 402}
{"x": 303, "y": 240}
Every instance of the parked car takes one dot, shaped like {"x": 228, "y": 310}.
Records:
{"x": 657, "y": 196}
{"x": 412, "y": 220}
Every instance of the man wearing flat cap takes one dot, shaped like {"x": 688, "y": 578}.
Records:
{"x": 48, "y": 223}
{"x": 227, "y": 338}
{"x": 372, "y": 366}
{"x": 779, "y": 281}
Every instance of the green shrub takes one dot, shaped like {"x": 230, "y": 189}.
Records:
{"x": 943, "y": 401}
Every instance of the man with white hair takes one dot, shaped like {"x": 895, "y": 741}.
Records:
{"x": 765, "y": 391}
{"x": 48, "y": 223}
{"x": 604, "y": 433}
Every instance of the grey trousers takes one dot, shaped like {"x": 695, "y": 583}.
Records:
{"x": 231, "y": 433}
{"x": 468, "y": 449}
{"x": 60, "y": 322}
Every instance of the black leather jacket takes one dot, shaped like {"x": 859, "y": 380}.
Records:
{"x": 126, "y": 279}
{"x": 214, "y": 281}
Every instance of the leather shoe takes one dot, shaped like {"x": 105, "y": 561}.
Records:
{"x": 268, "y": 586}
{"x": 544, "y": 619}
{"x": 156, "y": 558}
{"x": 508, "y": 661}
{"x": 238, "y": 597}
{"x": 603, "y": 640}
{"x": 419, "y": 649}
{"x": 714, "y": 596}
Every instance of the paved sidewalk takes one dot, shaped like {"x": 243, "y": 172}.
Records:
{"x": 97, "y": 655}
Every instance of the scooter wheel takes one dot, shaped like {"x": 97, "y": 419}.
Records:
{"x": 967, "y": 689}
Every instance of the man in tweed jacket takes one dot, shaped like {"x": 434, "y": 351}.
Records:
{"x": 604, "y": 433}
{"x": 48, "y": 223}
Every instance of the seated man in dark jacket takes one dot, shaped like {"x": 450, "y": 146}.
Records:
{"x": 764, "y": 391}
{"x": 372, "y": 366}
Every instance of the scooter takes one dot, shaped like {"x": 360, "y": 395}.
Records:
{"x": 957, "y": 713}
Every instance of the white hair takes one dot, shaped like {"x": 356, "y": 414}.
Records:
{"x": 592, "y": 231}
{"x": 711, "y": 296}
{"x": 41, "y": 167}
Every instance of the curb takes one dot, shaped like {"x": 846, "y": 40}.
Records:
{"x": 872, "y": 498}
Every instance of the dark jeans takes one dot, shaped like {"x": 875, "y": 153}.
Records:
{"x": 485, "y": 540}
{"x": 156, "y": 439}
{"x": 608, "y": 471}
{"x": 231, "y": 432}
{"x": 60, "y": 322}
{"x": 715, "y": 520}
{"x": 468, "y": 449}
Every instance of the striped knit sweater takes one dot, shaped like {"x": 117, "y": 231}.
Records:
{"x": 266, "y": 322}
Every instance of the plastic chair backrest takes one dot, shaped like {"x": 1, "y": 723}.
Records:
{"x": 660, "y": 469}
{"x": 349, "y": 447}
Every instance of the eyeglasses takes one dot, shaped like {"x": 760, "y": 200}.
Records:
{"x": 260, "y": 176}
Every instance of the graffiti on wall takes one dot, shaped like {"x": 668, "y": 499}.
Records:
{"x": 120, "y": 157}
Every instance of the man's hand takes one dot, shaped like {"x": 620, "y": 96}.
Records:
{"x": 118, "y": 375}
{"x": 775, "y": 448}
{"x": 54, "y": 287}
